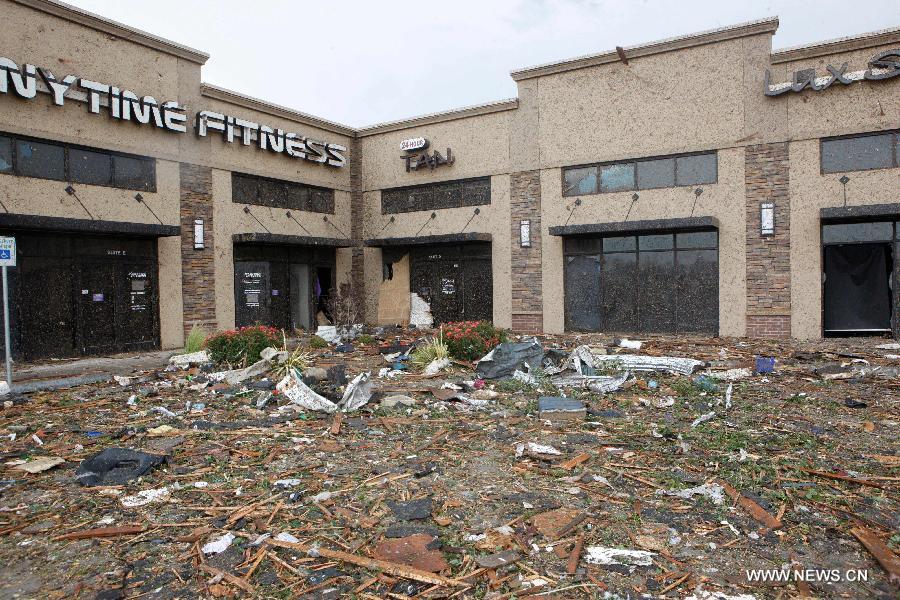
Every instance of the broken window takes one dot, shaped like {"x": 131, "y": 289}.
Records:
{"x": 643, "y": 174}
{"x": 580, "y": 181}
{"x": 859, "y": 153}
{"x": 616, "y": 178}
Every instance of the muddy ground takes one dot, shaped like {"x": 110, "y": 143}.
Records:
{"x": 808, "y": 459}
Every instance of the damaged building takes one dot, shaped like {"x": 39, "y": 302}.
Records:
{"x": 702, "y": 184}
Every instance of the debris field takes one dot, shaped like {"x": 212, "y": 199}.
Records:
{"x": 591, "y": 468}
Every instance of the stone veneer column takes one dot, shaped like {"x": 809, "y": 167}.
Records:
{"x": 357, "y": 215}
{"x": 767, "y": 172}
{"x": 198, "y": 277}
{"x": 527, "y": 290}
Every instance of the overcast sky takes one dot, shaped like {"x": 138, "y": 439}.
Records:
{"x": 362, "y": 62}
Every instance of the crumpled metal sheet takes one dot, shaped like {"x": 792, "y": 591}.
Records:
{"x": 635, "y": 362}
{"x": 601, "y": 384}
{"x": 299, "y": 393}
{"x": 579, "y": 358}
{"x": 357, "y": 394}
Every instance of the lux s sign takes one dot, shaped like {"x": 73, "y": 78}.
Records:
{"x": 171, "y": 116}
{"x": 883, "y": 65}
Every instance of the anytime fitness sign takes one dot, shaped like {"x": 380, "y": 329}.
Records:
{"x": 125, "y": 105}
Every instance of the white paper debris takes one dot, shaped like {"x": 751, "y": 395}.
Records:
{"x": 630, "y": 344}
{"x": 536, "y": 449}
{"x": 286, "y": 537}
{"x": 728, "y": 393}
{"x": 419, "y": 311}
{"x": 192, "y": 358}
{"x": 713, "y": 491}
{"x": 703, "y": 418}
{"x": 327, "y": 332}
{"x": 599, "y": 555}
{"x": 435, "y": 366}
{"x": 218, "y": 545}
{"x": 146, "y": 497}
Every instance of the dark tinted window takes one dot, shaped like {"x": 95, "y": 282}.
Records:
{"x": 586, "y": 245}
{"x": 857, "y": 232}
{"x": 37, "y": 159}
{"x": 85, "y": 166}
{"x": 696, "y": 169}
{"x": 697, "y": 239}
{"x": 6, "y": 161}
{"x": 616, "y": 178}
{"x": 656, "y": 173}
{"x": 580, "y": 181}
{"x": 619, "y": 244}
{"x": 134, "y": 173}
{"x": 858, "y": 153}
{"x": 655, "y": 242}
{"x": 432, "y": 196}
{"x": 275, "y": 193}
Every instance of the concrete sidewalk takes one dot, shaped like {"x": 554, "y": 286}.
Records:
{"x": 70, "y": 372}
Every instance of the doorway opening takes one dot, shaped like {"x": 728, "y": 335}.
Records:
{"x": 859, "y": 262}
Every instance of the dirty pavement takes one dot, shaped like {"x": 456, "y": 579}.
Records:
{"x": 557, "y": 467}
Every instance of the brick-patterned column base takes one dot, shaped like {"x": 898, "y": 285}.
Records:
{"x": 525, "y": 323}
{"x": 769, "y": 326}
{"x": 527, "y": 291}
{"x": 198, "y": 275}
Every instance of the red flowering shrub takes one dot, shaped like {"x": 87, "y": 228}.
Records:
{"x": 470, "y": 340}
{"x": 241, "y": 346}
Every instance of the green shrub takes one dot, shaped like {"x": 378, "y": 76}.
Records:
{"x": 365, "y": 339}
{"x": 317, "y": 342}
{"x": 433, "y": 349}
{"x": 241, "y": 346}
{"x": 195, "y": 339}
{"x": 470, "y": 340}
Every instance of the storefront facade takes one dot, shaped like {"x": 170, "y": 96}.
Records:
{"x": 703, "y": 184}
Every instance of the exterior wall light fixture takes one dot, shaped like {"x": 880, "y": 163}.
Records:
{"x": 198, "y": 234}
{"x": 767, "y": 218}
{"x": 525, "y": 233}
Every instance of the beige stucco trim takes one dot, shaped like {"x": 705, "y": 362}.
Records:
{"x": 94, "y": 21}
{"x": 211, "y": 91}
{"x": 762, "y": 26}
{"x": 851, "y": 43}
{"x": 440, "y": 117}
{"x": 171, "y": 307}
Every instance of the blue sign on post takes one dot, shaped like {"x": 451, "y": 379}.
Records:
{"x": 7, "y": 259}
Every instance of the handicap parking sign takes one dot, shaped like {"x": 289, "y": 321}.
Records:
{"x": 7, "y": 251}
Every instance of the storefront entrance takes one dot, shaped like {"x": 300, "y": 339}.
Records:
{"x": 455, "y": 279}
{"x": 74, "y": 295}
{"x": 860, "y": 277}
{"x": 654, "y": 283}
{"x": 286, "y": 287}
